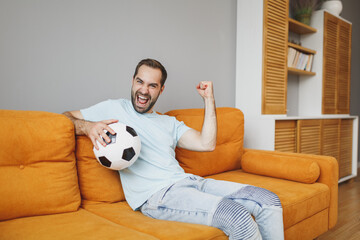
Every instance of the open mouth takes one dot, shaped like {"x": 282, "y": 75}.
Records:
{"x": 142, "y": 100}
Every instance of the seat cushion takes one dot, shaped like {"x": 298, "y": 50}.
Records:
{"x": 37, "y": 164}
{"x": 229, "y": 143}
{"x": 122, "y": 214}
{"x": 97, "y": 183}
{"x": 299, "y": 200}
{"x": 77, "y": 225}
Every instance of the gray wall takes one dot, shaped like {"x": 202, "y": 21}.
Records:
{"x": 58, "y": 55}
{"x": 351, "y": 12}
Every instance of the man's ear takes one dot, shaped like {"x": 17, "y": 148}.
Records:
{"x": 162, "y": 89}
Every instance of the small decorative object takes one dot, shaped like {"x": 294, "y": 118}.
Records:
{"x": 333, "y": 6}
{"x": 302, "y": 9}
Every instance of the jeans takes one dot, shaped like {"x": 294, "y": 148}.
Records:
{"x": 222, "y": 204}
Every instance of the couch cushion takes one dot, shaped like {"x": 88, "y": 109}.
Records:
{"x": 293, "y": 167}
{"x": 310, "y": 228}
{"x": 37, "y": 164}
{"x": 299, "y": 200}
{"x": 97, "y": 183}
{"x": 77, "y": 225}
{"x": 229, "y": 147}
{"x": 122, "y": 214}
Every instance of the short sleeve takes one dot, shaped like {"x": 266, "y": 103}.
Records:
{"x": 96, "y": 112}
{"x": 181, "y": 128}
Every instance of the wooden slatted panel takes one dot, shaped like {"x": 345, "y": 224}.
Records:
{"x": 330, "y": 144}
{"x": 345, "y": 161}
{"x": 309, "y": 136}
{"x": 275, "y": 56}
{"x": 285, "y": 136}
{"x": 330, "y": 62}
{"x": 344, "y": 53}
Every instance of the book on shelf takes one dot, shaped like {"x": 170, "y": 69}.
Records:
{"x": 291, "y": 56}
{"x": 299, "y": 60}
{"x": 309, "y": 64}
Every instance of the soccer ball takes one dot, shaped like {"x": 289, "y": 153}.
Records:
{"x": 123, "y": 149}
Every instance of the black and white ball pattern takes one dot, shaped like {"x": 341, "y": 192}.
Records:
{"x": 123, "y": 149}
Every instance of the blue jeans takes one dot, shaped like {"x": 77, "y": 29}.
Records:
{"x": 225, "y": 205}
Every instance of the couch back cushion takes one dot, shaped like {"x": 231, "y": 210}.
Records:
{"x": 37, "y": 164}
{"x": 229, "y": 144}
{"x": 97, "y": 183}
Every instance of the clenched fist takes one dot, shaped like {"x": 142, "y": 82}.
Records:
{"x": 205, "y": 89}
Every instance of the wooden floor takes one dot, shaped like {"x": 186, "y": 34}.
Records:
{"x": 348, "y": 224}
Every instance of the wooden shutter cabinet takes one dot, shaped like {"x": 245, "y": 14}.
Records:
{"x": 345, "y": 159}
{"x": 275, "y": 35}
{"x": 309, "y": 136}
{"x": 336, "y": 65}
{"x": 329, "y": 137}
{"x": 330, "y": 143}
{"x": 285, "y": 136}
{"x": 343, "y": 96}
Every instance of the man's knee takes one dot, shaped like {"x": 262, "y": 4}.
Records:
{"x": 235, "y": 221}
{"x": 259, "y": 195}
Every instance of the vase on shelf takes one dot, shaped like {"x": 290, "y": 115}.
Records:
{"x": 333, "y": 6}
{"x": 304, "y": 18}
{"x": 301, "y": 10}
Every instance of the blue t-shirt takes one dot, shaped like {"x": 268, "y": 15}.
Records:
{"x": 156, "y": 166}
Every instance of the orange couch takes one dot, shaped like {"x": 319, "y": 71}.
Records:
{"x": 53, "y": 188}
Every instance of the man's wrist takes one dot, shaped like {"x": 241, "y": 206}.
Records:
{"x": 209, "y": 100}
{"x": 83, "y": 126}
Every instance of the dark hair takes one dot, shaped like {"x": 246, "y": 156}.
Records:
{"x": 153, "y": 64}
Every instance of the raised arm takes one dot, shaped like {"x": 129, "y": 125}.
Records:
{"x": 206, "y": 139}
{"x": 94, "y": 130}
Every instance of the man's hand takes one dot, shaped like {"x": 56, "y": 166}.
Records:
{"x": 205, "y": 89}
{"x": 94, "y": 130}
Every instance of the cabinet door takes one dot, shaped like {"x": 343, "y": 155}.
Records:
{"x": 336, "y": 65}
{"x": 275, "y": 34}
{"x": 344, "y": 53}
{"x": 330, "y": 144}
{"x": 330, "y": 59}
{"x": 345, "y": 159}
{"x": 309, "y": 136}
{"x": 285, "y": 136}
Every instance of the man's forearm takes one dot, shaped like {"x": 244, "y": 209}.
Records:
{"x": 80, "y": 124}
{"x": 209, "y": 129}
{"x": 94, "y": 130}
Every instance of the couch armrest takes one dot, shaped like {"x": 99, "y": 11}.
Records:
{"x": 329, "y": 171}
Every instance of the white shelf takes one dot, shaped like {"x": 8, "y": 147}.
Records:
{"x": 332, "y": 116}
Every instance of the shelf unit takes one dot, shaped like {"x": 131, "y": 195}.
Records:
{"x": 261, "y": 52}
{"x": 300, "y": 28}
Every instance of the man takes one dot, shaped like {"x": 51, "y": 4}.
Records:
{"x": 156, "y": 184}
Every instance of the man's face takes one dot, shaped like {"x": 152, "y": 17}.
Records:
{"x": 146, "y": 88}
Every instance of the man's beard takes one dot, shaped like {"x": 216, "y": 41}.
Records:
{"x": 150, "y": 101}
